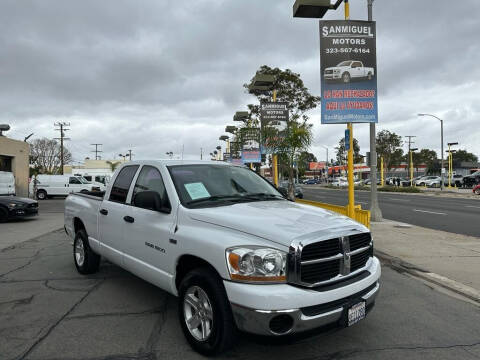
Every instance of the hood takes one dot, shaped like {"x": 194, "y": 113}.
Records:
{"x": 16, "y": 199}
{"x": 335, "y": 67}
{"x": 276, "y": 221}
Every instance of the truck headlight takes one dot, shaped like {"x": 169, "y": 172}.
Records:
{"x": 251, "y": 264}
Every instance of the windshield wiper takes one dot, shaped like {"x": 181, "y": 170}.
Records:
{"x": 214, "y": 198}
{"x": 263, "y": 196}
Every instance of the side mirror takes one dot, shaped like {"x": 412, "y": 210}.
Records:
{"x": 151, "y": 200}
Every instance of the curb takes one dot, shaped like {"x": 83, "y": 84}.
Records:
{"x": 401, "y": 266}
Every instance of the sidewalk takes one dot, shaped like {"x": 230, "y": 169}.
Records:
{"x": 450, "y": 260}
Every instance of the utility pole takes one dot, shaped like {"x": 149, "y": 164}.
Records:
{"x": 130, "y": 154}
{"x": 62, "y": 127}
{"x": 410, "y": 142}
{"x": 96, "y": 151}
{"x": 376, "y": 213}
{"x": 201, "y": 153}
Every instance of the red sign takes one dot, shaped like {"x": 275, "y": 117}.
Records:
{"x": 316, "y": 165}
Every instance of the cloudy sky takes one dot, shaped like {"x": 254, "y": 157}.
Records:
{"x": 155, "y": 75}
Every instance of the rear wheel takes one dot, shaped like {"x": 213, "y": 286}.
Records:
{"x": 369, "y": 76}
{"x": 204, "y": 312}
{"x": 41, "y": 194}
{"x": 86, "y": 261}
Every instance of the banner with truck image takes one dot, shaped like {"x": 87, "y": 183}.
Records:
{"x": 348, "y": 71}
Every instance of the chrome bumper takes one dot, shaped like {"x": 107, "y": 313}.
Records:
{"x": 259, "y": 321}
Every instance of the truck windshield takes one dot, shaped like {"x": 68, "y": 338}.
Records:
{"x": 345, "y": 63}
{"x": 203, "y": 185}
{"x": 83, "y": 180}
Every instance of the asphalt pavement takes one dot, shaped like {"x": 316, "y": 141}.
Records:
{"x": 456, "y": 215}
{"x": 49, "y": 311}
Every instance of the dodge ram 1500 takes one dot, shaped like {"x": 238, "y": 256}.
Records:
{"x": 236, "y": 253}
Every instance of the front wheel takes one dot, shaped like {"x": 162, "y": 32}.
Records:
{"x": 204, "y": 312}
{"x": 369, "y": 76}
{"x": 346, "y": 77}
{"x": 477, "y": 191}
{"x": 86, "y": 261}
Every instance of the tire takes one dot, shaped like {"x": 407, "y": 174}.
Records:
{"x": 3, "y": 215}
{"x": 346, "y": 77}
{"x": 477, "y": 192}
{"x": 42, "y": 195}
{"x": 86, "y": 261}
{"x": 204, "y": 288}
{"x": 369, "y": 76}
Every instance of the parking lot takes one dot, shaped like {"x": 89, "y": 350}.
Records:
{"x": 49, "y": 311}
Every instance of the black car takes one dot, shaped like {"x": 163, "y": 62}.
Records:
{"x": 283, "y": 189}
{"x": 472, "y": 179}
{"x": 12, "y": 207}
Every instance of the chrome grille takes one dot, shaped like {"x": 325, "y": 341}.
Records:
{"x": 326, "y": 261}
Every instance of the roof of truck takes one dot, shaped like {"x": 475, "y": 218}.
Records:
{"x": 179, "y": 162}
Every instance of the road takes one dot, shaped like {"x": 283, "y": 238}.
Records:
{"x": 456, "y": 215}
{"x": 49, "y": 311}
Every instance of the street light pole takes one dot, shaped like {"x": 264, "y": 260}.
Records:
{"x": 326, "y": 164}
{"x": 441, "y": 136}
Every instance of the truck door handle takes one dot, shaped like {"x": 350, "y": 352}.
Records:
{"x": 104, "y": 211}
{"x": 128, "y": 219}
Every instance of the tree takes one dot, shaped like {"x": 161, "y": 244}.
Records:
{"x": 429, "y": 157}
{"x": 298, "y": 135}
{"x": 463, "y": 155}
{"x": 342, "y": 153}
{"x": 389, "y": 146}
{"x": 45, "y": 156}
{"x": 303, "y": 162}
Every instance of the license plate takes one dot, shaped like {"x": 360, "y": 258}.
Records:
{"x": 356, "y": 313}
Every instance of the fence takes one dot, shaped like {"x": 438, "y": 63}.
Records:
{"x": 361, "y": 216}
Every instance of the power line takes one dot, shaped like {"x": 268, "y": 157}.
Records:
{"x": 62, "y": 127}
{"x": 96, "y": 151}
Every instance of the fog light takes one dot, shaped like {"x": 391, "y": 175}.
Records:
{"x": 281, "y": 324}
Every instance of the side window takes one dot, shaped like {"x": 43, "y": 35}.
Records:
{"x": 122, "y": 184}
{"x": 150, "y": 179}
{"x": 74, "y": 180}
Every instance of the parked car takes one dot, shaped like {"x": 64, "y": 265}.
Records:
{"x": 283, "y": 188}
{"x": 233, "y": 250}
{"x": 369, "y": 181}
{"x": 422, "y": 181}
{"x": 456, "y": 180}
{"x": 55, "y": 185}
{"x": 7, "y": 183}
{"x": 476, "y": 190}
{"x": 310, "y": 182}
{"x": 12, "y": 207}
{"x": 433, "y": 181}
{"x": 347, "y": 71}
{"x": 472, "y": 179}
{"x": 340, "y": 182}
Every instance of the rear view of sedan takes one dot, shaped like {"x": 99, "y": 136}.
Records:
{"x": 12, "y": 207}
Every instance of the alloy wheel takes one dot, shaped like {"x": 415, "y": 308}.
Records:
{"x": 198, "y": 313}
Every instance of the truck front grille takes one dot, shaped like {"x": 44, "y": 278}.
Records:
{"x": 331, "y": 260}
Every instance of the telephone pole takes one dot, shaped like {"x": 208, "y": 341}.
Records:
{"x": 96, "y": 151}
{"x": 130, "y": 154}
{"x": 410, "y": 142}
{"x": 62, "y": 127}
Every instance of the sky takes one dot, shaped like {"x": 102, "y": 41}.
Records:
{"x": 164, "y": 75}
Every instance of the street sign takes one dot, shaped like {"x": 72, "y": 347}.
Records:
{"x": 274, "y": 114}
{"x": 348, "y": 72}
{"x": 347, "y": 139}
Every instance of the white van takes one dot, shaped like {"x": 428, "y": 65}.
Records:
{"x": 7, "y": 183}
{"x": 57, "y": 185}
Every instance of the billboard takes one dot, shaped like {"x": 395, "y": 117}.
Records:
{"x": 251, "y": 150}
{"x": 316, "y": 165}
{"x": 274, "y": 114}
{"x": 348, "y": 71}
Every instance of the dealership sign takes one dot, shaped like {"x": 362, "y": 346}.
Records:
{"x": 251, "y": 149}
{"x": 274, "y": 114}
{"x": 348, "y": 72}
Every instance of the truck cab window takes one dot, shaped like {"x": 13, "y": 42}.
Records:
{"x": 122, "y": 184}
{"x": 150, "y": 179}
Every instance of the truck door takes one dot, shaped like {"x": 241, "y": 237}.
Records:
{"x": 111, "y": 220}
{"x": 358, "y": 70}
{"x": 74, "y": 185}
{"x": 148, "y": 231}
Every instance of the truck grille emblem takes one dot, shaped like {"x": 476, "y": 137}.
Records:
{"x": 345, "y": 261}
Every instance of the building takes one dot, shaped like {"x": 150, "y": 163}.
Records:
{"x": 14, "y": 157}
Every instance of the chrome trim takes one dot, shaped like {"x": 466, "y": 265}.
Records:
{"x": 316, "y": 261}
{"x": 294, "y": 261}
{"x": 345, "y": 263}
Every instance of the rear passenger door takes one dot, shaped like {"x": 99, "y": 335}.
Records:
{"x": 112, "y": 217}
{"x": 147, "y": 235}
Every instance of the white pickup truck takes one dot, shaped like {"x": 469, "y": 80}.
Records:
{"x": 236, "y": 253}
{"x": 348, "y": 70}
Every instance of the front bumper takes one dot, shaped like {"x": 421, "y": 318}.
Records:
{"x": 259, "y": 309}
{"x": 22, "y": 212}
{"x": 335, "y": 76}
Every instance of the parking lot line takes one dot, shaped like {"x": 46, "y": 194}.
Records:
{"x": 429, "y": 212}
